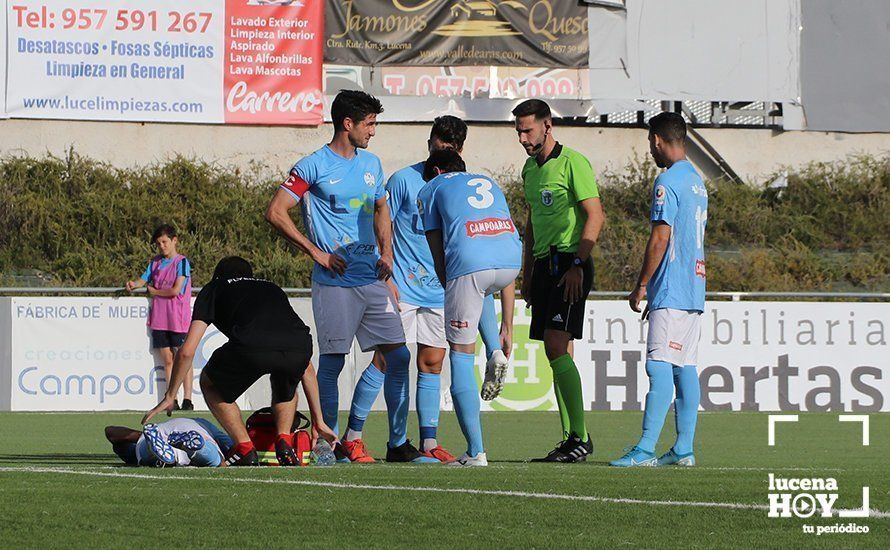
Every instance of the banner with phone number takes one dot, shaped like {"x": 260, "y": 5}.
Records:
{"x": 235, "y": 62}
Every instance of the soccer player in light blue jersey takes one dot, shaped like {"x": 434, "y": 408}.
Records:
{"x": 673, "y": 279}
{"x": 476, "y": 252}
{"x": 422, "y": 300}
{"x": 341, "y": 190}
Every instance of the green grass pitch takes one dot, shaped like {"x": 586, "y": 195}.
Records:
{"x": 60, "y": 485}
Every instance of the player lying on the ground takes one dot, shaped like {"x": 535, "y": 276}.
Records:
{"x": 265, "y": 336}
{"x": 177, "y": 442}
{"x": 476, "y": 252}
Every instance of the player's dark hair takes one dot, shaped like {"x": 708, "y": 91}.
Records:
{"x": 446, "y": 160}
{"x": 668, "y": 126}
{"x": 232, "y": 267}
{"x": 449, "y": 129}
{"x": 532, "y": 107}
{"x": 163, "y": 230}
{"x": 355, "y": 105}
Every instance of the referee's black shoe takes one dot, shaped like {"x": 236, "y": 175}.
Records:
{"x": 570, "y": 450}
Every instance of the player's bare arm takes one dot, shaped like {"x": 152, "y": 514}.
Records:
{"x": 528, "y": 259}
{"x": 508, "y": 299}
{"x": 573, "y": 280}
{"x": 437, "y": 249}
{"x": 655, "y": 249}
{"x": 184, "y": 357}
{"x": 278, "y": 215}
{"x": 383, "y": 229}
{"x": 133, "y": 285}
{"x": 310, "y": 389}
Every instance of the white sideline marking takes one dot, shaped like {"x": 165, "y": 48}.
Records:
{"x": 483, "y": 492}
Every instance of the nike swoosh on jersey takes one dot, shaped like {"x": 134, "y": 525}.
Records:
{"x": 333, "y": 182}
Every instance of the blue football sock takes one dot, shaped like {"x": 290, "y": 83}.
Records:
{"x": 658, "y": 401}
{"x": 329, "y": 367}
{"x": 488, "y": 327}
{"x": 465, "y": 395}
{"x": 207, "y": 456}
{"x": 428, "y": 385}
{"x": 686, "y": 407}
{"x": 366, "y": 391}
{"x": 396, "y": 393}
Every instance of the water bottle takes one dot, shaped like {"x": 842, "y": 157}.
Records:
{"x": 323, "y": 454}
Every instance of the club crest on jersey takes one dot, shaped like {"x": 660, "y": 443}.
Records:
{"x": 489, "y": 227}
{"x": 419, "y": 205}
{"x": 370, "y": 180}
{"x": 547, "y": 197}
{"x": 659, "y": 195}
{"x": 700, "y": 268}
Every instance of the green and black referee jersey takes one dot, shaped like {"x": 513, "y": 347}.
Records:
{"x": 554, "y": 191}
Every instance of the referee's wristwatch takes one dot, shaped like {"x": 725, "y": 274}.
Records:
{"x": 578, "y": 262}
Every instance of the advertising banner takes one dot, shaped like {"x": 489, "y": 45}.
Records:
{"x": 523, "y": 33}
{"x": 477, "y": 93}
{"x": 94, "y": 354}
{"x": 203, "y": 61}
{"x": 767, "y": 356}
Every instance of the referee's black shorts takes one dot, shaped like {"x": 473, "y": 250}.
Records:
{"x": 234, "y": 368}
{"x": 550, "y": 311}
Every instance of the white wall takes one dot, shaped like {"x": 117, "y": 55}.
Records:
{"x": 490, "y": 147}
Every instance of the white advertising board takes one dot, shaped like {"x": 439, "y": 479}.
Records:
{"x": 94, "y": 354}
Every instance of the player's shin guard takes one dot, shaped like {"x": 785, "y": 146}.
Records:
{"x": 567, "y": 377}
{"x": 465, "y": 395}
{"x": 658, "y": 400}
{"x": 366, "y": 391}
{"x": 488, "y": 327}
{"x": 686, "y": 407}
{"x": 396, "y": 391}
{"x": 428, "y": 385}
{"x": 329, "y": 367}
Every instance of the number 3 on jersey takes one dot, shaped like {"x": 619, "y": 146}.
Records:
{"x": 483, "y": 197}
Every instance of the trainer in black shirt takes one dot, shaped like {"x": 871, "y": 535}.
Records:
{"x": 265, "y": 336}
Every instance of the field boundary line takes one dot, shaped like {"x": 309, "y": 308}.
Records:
{"x": 419, "y": 489}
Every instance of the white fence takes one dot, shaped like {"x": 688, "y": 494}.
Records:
{"x": 93, "y": 353}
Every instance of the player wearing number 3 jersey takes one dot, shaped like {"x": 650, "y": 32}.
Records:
{"x": 673, "y": 278}
{"x": 476, "y": 252}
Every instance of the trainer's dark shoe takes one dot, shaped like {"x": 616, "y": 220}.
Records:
{"x": 406, "y": 452}
{"x": 187, "y": 405}
{"x": 237, "y": 459}
{"x": 176, "y": 406}
{"x": 286, "y": 454}
{"x": 568, "y": 451}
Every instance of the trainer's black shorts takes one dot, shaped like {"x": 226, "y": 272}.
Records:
{"x": 549, "y": 308}
{"x": 234, "y": 368}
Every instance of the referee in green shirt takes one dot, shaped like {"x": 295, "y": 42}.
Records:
{"x": 565, "y": 218}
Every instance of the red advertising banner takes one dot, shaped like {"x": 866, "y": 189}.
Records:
{"x": 273, "y": 63}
